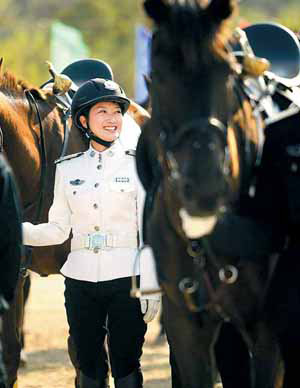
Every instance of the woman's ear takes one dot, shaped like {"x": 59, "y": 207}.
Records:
{"x": 83, "y": 121}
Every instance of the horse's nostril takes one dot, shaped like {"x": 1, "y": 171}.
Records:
{"x": 188, "y": 190}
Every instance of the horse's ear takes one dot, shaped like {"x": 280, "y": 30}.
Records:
{"x": 158, "y": 10}
{"x": 1, "y": 61}
{"x": 220, "y": 9}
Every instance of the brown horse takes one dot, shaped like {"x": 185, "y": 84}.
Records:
{"x": 33, "y": 135}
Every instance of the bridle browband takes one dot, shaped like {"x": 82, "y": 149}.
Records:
{"x": 167, "y": 141}
{"x": 189, "y": 127}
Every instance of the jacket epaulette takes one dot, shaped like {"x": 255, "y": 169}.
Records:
{"x": 68, "y": 157}
{"x": 130, "y": 152}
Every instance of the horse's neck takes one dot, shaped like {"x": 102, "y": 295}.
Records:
{"x": 22, "y": 132}
{"x": 243, "y": 148}
{"x": 77, "y": 142}
{"x": 18, "y": 139}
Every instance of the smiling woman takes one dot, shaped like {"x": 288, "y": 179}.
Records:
{"x": 98, "y": 196}
{"x": 104, "y": 121}
{"x": 97, "y": 109}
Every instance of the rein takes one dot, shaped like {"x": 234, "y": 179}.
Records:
{"x": 43, "y": 153}
{"x": 1, "y": 140}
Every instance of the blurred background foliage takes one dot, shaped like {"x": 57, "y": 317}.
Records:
{"x": 108, "y": 28}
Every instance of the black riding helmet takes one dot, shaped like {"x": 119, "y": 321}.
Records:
{"x": 91, "y": 92}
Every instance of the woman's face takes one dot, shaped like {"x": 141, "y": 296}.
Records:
{"x": 105, "y": 120}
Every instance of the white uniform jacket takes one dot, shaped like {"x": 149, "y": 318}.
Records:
{"x": 95, "y": 192}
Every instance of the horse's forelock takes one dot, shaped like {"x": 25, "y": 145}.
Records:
{"x": 197, "y": 35}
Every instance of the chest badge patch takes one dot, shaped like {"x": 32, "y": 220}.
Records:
{"x": 122, "y": 179}
{"x": 77, "y": 182}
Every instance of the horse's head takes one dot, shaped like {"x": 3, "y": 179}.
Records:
{"x": 192, "y": 99}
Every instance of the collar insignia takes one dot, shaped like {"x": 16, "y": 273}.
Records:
{"x": 77, "y": 182}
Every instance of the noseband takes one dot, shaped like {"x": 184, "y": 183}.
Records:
{"x": 168, "y": 141}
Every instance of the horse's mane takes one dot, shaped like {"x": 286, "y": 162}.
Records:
{"x": 195, "y": 34}
{"x": 15, "y": 87}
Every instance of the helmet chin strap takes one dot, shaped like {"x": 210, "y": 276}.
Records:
{"x": 100, "y": 141}
{"x": 97, "y": 139}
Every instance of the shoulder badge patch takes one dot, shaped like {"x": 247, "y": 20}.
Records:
{"x": 68, "y": 157}
{"x": 130, "y": 152}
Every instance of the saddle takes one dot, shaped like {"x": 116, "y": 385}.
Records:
{"x": 275, "y": 94}
{"x": 280, "y": 46}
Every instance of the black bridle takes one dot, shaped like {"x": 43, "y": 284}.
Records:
{"x": 168, "y": 141}
{"x": 199, "y": 250}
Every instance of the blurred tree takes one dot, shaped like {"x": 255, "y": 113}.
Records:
{"x": 108, "y": 28}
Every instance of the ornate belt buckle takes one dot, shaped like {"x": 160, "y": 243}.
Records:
{"x": 97, "y": 241}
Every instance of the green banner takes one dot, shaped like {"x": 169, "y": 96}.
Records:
{"x": 66, "y": 45}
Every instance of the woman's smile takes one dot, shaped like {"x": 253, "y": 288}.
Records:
{"x": 105, "y": 121}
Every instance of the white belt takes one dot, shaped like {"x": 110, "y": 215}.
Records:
{"x": 104, "y": 241}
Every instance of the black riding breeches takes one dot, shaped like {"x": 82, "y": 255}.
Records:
{"x": 96, "y": 309}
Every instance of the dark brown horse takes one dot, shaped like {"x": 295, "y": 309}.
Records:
{"x": 196, "y": 158}
{"x": 33, "y": 135}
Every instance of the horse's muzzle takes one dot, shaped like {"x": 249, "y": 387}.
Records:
{"x": 201, "y": 201}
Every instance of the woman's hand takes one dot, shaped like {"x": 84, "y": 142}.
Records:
{"x": 149, "y": 308}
